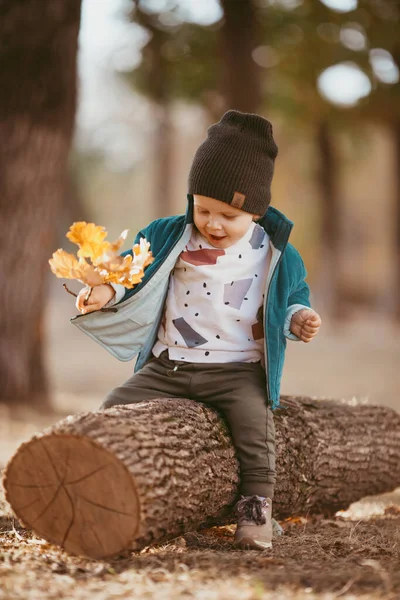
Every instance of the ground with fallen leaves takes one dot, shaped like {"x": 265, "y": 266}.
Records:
{"x": 314, "y": 558}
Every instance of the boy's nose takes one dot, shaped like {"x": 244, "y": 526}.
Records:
{"x": 213, "y": 225}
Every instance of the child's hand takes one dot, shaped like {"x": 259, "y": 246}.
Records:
{"x": 305, "y": 324}
{"x": 101, "y": 294}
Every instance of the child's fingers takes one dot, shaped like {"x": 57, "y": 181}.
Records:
{"x": 87, "y": 308}
{"x": 307, "y": 316}
{"x": 84, "y": 305}
{"x": 310, "y": 328}
{"x": 80, "y": 301}
{"x": 314, "y": 320}
{"x": 90, "y": 302}
{"x": 307, "y": 337}
{"x": 91, "y": 308}
{"x": 308, "y": 332}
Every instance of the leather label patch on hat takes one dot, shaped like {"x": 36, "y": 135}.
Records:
{"x": 238, "y": 200}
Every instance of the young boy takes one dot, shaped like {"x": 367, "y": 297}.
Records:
{"x": 212, "y": 314}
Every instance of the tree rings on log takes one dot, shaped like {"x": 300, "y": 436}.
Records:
{"x": 99, "y": 483}
{"x": 72, "y": 492}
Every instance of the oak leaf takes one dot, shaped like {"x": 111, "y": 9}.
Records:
{"x": 67, "y": 266}
{"x": 90, "y": 239}
{"x": 98, "y": 260}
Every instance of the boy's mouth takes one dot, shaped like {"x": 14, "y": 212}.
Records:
{"x": 216, "y": 238}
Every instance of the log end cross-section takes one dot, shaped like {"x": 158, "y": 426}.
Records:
{"x": 73, "y": 492}
{"x": 127, "y": 477}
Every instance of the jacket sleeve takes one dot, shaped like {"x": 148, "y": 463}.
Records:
{"x": 299, "y": 297}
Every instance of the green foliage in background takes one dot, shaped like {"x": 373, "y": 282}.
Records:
{"x": 297, "y": 42}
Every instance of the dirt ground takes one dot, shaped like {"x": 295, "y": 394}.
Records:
{"x": 354, "y": 556}
{"x": 317, "y": 559}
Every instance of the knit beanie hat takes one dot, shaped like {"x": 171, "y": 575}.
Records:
{"x": 235, "y": 163}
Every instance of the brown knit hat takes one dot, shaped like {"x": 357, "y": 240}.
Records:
{"x": 235, "y": 163}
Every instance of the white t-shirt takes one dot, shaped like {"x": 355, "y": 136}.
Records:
{"x": 213, "y": 311}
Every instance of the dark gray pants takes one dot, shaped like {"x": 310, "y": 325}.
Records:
{"x": 236, "y": 389}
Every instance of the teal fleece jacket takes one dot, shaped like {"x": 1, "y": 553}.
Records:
{"x": 130, "y": 327}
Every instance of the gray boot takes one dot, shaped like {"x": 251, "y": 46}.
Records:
{"x": 254, "y": 527}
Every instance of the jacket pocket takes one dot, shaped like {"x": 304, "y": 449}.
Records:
{"x": 119, "y": 334}
{"x": 123, "y": 333}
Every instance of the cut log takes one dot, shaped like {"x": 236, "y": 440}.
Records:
{"x": 130, "y": 476}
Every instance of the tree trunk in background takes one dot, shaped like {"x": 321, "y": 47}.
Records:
{"x": 37, "y": 105}
{"x": 330, "y": 223}
{"x": 241, "y": 74}
{"x": 396, "y": 132}
{"x": 163, "y": 140}
{"x": 395, "y": 127}
{"x": 74, "y": 209}
{"x": 163, "y": 154}
{"x": 157, "y": 84}
{"x": 135, "y": 475}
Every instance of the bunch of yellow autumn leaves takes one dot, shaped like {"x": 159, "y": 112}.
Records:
{"x": 98, "y": 261}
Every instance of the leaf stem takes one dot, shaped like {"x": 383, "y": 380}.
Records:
{"x": 69, "y": 291}
{"x": 112, "y": 309}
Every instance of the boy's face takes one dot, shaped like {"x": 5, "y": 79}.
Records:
{"x": 219, "y": 223}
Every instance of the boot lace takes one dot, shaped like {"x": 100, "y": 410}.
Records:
{"x": 252, "y": 508}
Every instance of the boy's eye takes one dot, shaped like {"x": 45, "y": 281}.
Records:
{"x": 230, "y": 217}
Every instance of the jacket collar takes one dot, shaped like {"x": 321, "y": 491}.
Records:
{"x": 274, "y": 222}
{"x": 277, "y": 226}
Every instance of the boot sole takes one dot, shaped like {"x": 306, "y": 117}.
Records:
{"x": 250, "y": 544}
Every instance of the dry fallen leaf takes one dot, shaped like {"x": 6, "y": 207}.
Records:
{"x": 98, "y": 260}
{"x": 66, "y": 265}
{"x": 90, "y": 239}
{"x": 63, "y": 264}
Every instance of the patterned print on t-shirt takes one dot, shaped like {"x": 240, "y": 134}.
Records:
{"x": 235, "y": 292}
{"x": 204, "y": 256}
{"x": 257, "y": 237}
{"x": 212, "y": 310}
{"x": 191, "y": 337}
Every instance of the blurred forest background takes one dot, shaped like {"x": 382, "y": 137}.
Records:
{"x": 103, "y": 105}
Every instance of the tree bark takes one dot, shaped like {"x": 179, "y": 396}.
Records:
{"x": 131, "y": 476}
{"x": 394, "y": 125}
{"x": 37, "y": 105}
{"x": 396, "y": 133}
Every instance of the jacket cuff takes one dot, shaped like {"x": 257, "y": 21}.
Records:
{"x": 290, "y": 311}
{"x": 119, "y": 294}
